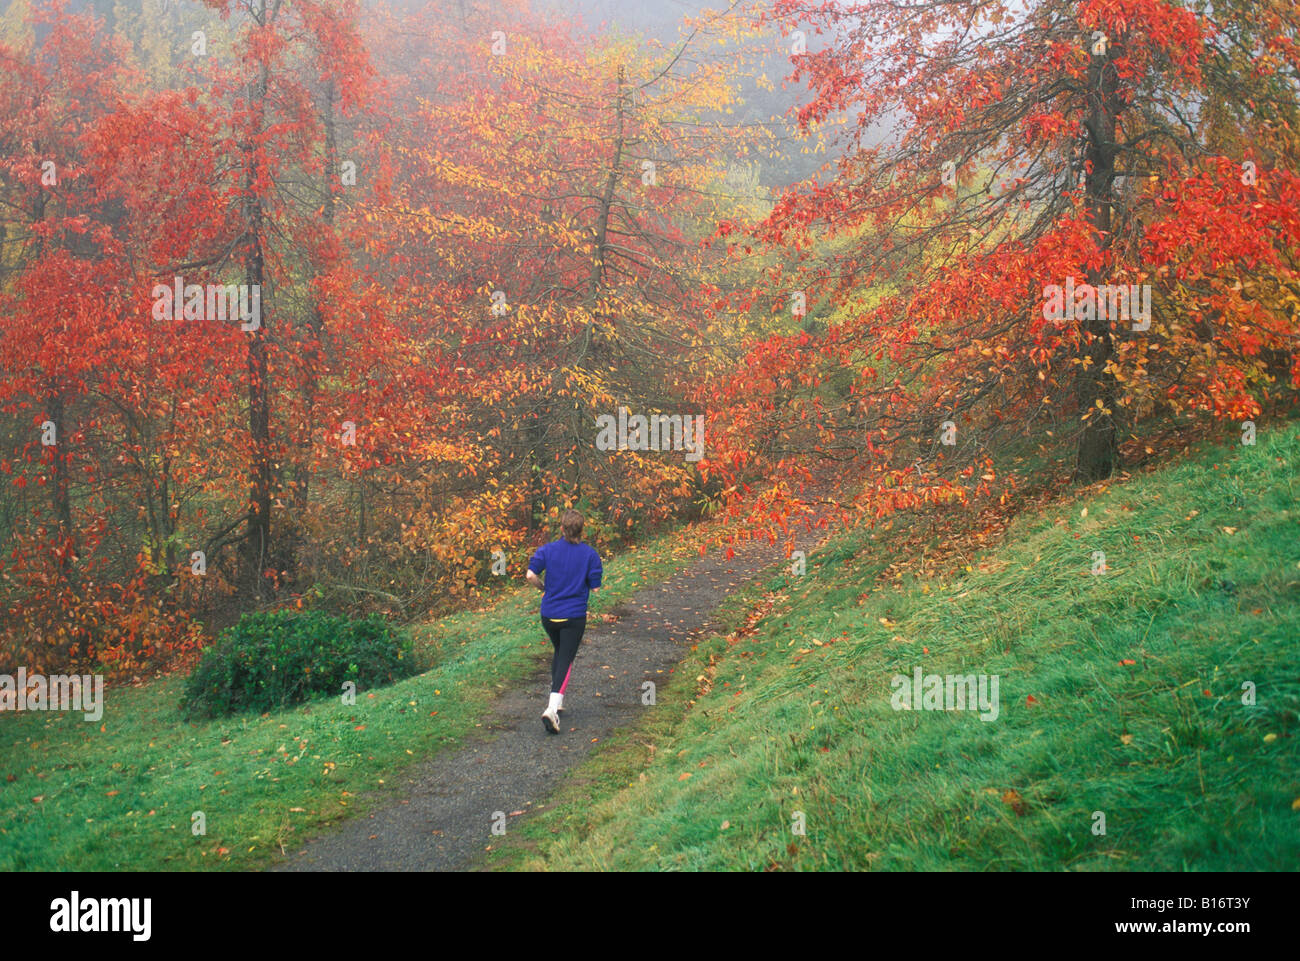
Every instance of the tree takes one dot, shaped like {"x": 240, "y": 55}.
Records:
{"x": 1041, "y": 146}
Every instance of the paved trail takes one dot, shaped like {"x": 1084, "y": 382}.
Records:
{"x": 445, "y": 823}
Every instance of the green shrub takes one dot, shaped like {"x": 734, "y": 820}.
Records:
{"x": 269, "y": 660}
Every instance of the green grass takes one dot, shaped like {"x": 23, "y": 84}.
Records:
{"x": 80, "y": 796}
{"x": 1201, "y": 594}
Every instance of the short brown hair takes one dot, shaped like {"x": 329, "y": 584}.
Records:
{"x": 571, "y": 526}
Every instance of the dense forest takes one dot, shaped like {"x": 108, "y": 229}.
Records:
{"x": 320, "y": 303}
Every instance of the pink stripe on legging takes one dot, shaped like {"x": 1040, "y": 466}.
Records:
{"x": 566, "y": 677}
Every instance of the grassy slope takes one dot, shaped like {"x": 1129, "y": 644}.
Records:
{"x": 1187, "y": 776}
{"x": 74, "y": 795}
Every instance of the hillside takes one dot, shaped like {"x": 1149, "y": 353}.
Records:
{"x": 1122, "y": 695}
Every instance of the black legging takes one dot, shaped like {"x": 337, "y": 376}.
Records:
{"x": 565, "y": 638}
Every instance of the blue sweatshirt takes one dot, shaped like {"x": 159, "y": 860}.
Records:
{"x": 572, "y": 570}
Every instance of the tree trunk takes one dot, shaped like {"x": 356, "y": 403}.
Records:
{"x": 60, "y": 488}
{"x": 536, "y": 489}
{"x": 1098, "y": 451}
{"x": 256, "y": 547}
{"x": 596, "y": 280}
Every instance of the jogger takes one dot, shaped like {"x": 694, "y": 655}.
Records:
{"x": 573, "y": 570}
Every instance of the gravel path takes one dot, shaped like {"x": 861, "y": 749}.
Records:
{"x": 446, "y": 821}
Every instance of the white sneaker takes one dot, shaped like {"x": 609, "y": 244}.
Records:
{"x": 551, "y": 721}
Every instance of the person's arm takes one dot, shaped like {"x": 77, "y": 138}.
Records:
{"x": 595, "y": 573}
{"x": 536, "y": 564}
